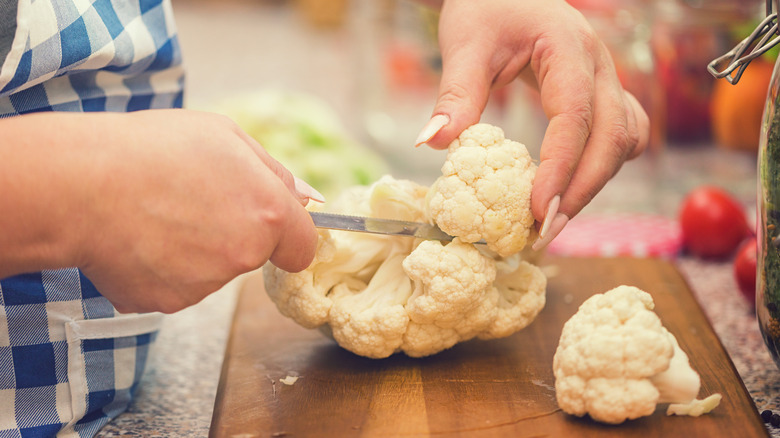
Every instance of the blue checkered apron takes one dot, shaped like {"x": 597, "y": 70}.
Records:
{"x": 69, "y": 363}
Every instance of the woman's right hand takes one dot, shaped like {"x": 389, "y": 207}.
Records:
{"x": 164, "y": 207}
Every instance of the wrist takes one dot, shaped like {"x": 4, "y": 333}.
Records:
{"x": 45, "y": 185}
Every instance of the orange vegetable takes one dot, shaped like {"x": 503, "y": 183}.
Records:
{"x": 737, "y": 110}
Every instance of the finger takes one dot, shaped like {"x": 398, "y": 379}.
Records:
{"x": 296, "y": 237}
{"x": 639, "y": 122}
{"x": 463, "y": 94}
{"x": 571, "y": 118}
{"x": 613, "y": 138}
{"x": 294, "y": 232}
{"x": 297, "y": 241}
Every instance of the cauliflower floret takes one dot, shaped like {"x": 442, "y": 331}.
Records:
{"x": 452, "y": 300}
{"x": 379, "y": 295}
{"x": 485, "y": 190}
{"x": 371, "y": 320}
{"x": 520, "y": 288}
{"x": 615, "y": 360}
{"x": 295, "y": 294}
{"x": 453, "y": 276}
{"x": 398, "y": 199}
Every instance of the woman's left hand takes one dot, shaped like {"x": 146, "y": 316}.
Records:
{"x": 595, "y": 125}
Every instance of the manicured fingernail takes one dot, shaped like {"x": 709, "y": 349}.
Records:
{"x": 552, "y": 210}
{"x": 307, "y": 191}
{"x": 556, "y": 226}
{"x": 432, "y": 128}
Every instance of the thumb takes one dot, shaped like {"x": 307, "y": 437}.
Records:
{"x": 463, "y": 95}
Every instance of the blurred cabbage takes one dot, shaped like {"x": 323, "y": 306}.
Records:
{"x": 306, "y": 136}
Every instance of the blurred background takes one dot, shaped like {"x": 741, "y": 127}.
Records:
{"x": 338, "y": 89}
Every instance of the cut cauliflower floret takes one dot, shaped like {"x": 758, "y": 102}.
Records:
{"x": 379, "y": 295}
{"x": 615, "y": 361}
{"x": 370, "y": 319}
{"x": 303, "y": 296}
{"x": 485, "y": 190}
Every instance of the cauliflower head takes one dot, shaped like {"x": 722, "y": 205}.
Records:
{"x": 615, "y": 361}
{"x": 484, "y": 191}
{"x": 380, "y": 295}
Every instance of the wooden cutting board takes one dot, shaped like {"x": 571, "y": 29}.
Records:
{"x": 498, "y": 388}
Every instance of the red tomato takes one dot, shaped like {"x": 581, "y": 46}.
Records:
{"x": 712, "y": 222}
{"x": 745, "y": 269}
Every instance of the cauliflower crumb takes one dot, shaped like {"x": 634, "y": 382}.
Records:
{"x": 289, "y": 380}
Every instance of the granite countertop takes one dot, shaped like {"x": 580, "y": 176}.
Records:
{"x": 176, "y": 397}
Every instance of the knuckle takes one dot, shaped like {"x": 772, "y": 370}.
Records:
{"x": 581, "y": 116}
{"x": 589, "y": 40}
{"x": 245, "y": 255}
{"x": 248, "y": 260}
{"x": 248, "y": 254}
{"x": 454, "y": 95}
{"x": 633, "y": 139}
{"x": 622, "y": 141}
{"x": 274, "y": 216}
{"x": 578, "y": 119}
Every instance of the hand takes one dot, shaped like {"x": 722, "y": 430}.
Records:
{"x": 192, "y": 203}
{"x": 166, "y": 206}
{"x": 594, "y": 124}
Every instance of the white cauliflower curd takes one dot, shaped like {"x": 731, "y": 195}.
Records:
{"x": 485, "y": 190}
{"x": 379, "y": 295}
{"x": 615, "y": 361}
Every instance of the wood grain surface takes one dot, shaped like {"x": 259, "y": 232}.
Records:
{"x": 498, "y": 388}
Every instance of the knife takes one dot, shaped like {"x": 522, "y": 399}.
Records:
{"x": 391, "y": 227}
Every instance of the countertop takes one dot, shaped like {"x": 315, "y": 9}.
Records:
{"x": 177, "y": 393}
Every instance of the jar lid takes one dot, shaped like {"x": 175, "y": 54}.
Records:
{"x": 618, "y": 234}
{"x": 765, "y": 36}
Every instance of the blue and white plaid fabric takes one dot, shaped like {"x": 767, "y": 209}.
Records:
{"x": 92, "y": 55}
{"x": 68, "y": 362}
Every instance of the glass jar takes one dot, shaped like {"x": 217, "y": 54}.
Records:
{"x": 768, "y": 230}
{"x": 767, "y": 297}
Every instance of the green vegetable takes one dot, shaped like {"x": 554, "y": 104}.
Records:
{"x": 306, "y": 136}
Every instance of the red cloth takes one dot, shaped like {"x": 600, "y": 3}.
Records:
{"x": 620, "y": 234}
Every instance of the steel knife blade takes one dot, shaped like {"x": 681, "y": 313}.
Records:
{"x": 391, "y": 227}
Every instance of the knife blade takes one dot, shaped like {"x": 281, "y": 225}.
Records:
{"x": 372, "y": 225}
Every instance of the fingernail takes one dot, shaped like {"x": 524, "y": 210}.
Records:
{"x": 305, "y": 190}
{"x": 552, "y": 210}
{"x": 556, "y": 226}
{"x": 432, "y": 128}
